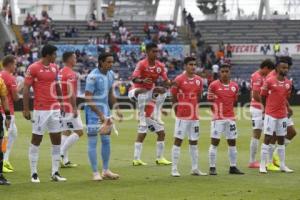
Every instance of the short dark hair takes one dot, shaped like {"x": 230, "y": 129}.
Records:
{"x": 267, "y": 63}
{"x": 102, "y": 57}
{"x": 285, "y": 59}
{"x": 67, "y": 55}
{"x": 225, "y": 65}
{"x": 48, "y": 49}
{"x": 150, "y": 46}
{"x": 188, "y": 59}
{"x": 8, "y": 60}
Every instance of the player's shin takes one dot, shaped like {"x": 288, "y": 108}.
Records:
{"x": 55, "y": 158}
{"x": 212, "y": 155}
{"x": 33, "y": 158}
{"x": 160, "y": 147}
{"x": 264, "y": 156}
{"x": 160, "y": 99}
{"x": 92, "y": 152}
{"x": 253, "y": 149}
{"x": 105, "y": 151}
{"x": 194, "y": 156}
{"x": 232, "y": 154}
{"x": 142, "y": 100}
{"x": 137, "y": 150}
{"x": 175, "y": 156}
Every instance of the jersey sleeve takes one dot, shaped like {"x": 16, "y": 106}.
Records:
{"x": 30, "y": 75}
{"x": 174, "y": 88}
{"x": 256, "y": 83}
{"x": 265, "y": 88}
{"x": 3, "y": 90}
{"x": 90, "y": 83}
{"x": 13, "y": 85}
{"x": 211, "y": 92}
{"x": 137, "y": 73}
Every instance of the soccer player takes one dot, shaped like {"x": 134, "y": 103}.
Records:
{"x": 72, "y": 124}
{"x": 275, "y": 92}
{"x": 186, "y": 93}
{"x": 153, "y": 126}
{"x": 98, "y": 94}
{"x": 223, "y": 93}
{"x": 144, "y": 77}
{"x": 9, "y": 66}
{"x": 256, "y": 108}
{"x": 42, "y": 76}
{"x": 7, "y": 122}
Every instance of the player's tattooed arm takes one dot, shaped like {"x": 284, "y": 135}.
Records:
{"x": 139, "y": 80}
{"x": 89, "y": 101}
{"x": 72, "y": 98}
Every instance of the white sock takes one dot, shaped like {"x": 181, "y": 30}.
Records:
{"x": 33, "y": 155}
{"x": 160, "y": 99}
{"x": 55, "y": 158}
{"x": 160, "y": 147}
{"x": 281, "y": 154}
{"x": 271, "y": 151}
{"x": 175, "y": 156}
{"x": 138, "y": 150}
{"x": 264, "y": 155}
{"x": 287, "y": 142}
{"x": 253, "y": 149}
{"x": 67, "y": 145}
{"x": 63, "y": 140}
{"x": 212, "y": 155}
{"x": 232, "y": 154}
{"x": 194, "y": 156}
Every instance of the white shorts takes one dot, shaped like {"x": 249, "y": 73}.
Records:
{"x": 147, "y": 95}
{"x": 289, "y": 122}
{"x": 226, "y": 126}
{"x": 46, "y": 120}
{"x": 71, "y": 123}
{"x": 272, "y": 125}
{"x": 152, "y": 125}
{"x": 187, "y": 127}
{"x": 12, "y": 127}
{"x": 257, "y": 118}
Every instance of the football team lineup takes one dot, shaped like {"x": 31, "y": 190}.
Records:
{"x": 271, "y": 115}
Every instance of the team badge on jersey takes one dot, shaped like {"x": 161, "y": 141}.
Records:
{"x": 53, "y": 69}
{"x": 287, "y": 86}
{"x": 197, "y": 82}
{"x": 233, "y": 89}
{"x": 158, "y": 70}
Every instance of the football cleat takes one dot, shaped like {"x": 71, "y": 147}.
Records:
{"x": 108, "y": 175}
{"x": 286, "y": 170}
{"x": 97, "y": 176}
{"x": 138, "y": 163}
{"x": 212, "y": 171}
{"x": 163, "y": 161}
{"x": 272, "y": 167}
{"x": 7, "y": 165}
{"x": 175, "y": 173}
{"x": 6, "y": 170}
{"x": 253, "y": 165}
{"x": 3, "y": 180}
{"x": 35, "y": 178}
{"x": 56, "y": 177}
{"x": 235, "y": 170}
{"x": 263, "y": 170}
{"x": 197, "y": 172}
{"x": 68, "y": 164}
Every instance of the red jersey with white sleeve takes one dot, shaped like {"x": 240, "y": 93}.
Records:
{"x": 224, "y": 97}
{"x": 144, "y": 70}
{"x": 68, "y": 78}
{"x": 257, "y": 81}
{"x": 187, "y": 91}
{"x": 277, "y": 92}
{"x": 43, "y": 80}
{"x": 12, "y": 86}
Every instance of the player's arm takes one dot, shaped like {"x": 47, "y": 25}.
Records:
{"x": 289, "y": 109}
{"x": 72, "y": 98}
{"x": 29, "y": 77}
{"x": 58, "y": 93}
{"x": 211, "y": 96}
{"x": 256, "y": 90}
{"x": 4, "y": 103}
{"x": 264, "y": 93}
{"x": 114, "y": 103}
{"x": 15, "y": 91}
{"x": 174, "y": 92}
{"x": 92, "y": 105}
{"x": 137, "y": 76}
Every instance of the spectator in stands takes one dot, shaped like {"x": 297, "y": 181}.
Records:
{"x": 121, "y": 23}
{"x": 115, "y": 25}
{"x": 91, "y": 24}
{"x": 276, "y": 48}
{"x": 215, "y": 69}
{"x": 229, "y": 50}
{"x": 286, "y": 52}
{"x": 92, "y": 40}
{"x": 74, "y": 32}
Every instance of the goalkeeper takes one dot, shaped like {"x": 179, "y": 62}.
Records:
{"x": 99, "y": 95}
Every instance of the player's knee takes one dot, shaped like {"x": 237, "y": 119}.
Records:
{"x": 215, "y": 141}
{"x": 231, "y": 142}
{"x": 36, "y": 139}
{"x": 193, "y": 142}
{"x": 177, "y": 142}
{"x": 161, "y": 135}
{"x": 79, "y": 133}
{"x": 141, "y": 137}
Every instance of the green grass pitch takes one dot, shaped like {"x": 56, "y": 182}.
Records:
{"x": 152, "y": 182}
